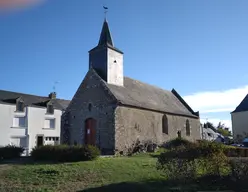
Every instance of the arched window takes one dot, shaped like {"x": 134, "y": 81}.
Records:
{"x": 89, "y": 106}
{"x": 187, "y": 128}
{"x": 165, "y": 125}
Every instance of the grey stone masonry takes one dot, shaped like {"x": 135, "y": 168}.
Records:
{"x": 132, "y": 124}
{"x": 92, "y": 91}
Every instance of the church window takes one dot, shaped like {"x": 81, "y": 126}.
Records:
{"x": 165, "y": 125}
{"x": 179, "y": 134}
{"x": 89, "y": 107}
{"x": 187, "y": 128}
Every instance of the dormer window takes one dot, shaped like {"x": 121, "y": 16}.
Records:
{"x": 20, "y": 106}
{"x": 50, "y": 109}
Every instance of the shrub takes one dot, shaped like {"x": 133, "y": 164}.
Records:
{"x": 179, "y": 169}
{"x": 65, "y": 153}
{"x": 141, "y": 147}
{"x": 10, "y": 152}
{"x": 208, "y": 155}
{"x": 178, "y": 142}
{"x": 236, "y": 152}
{"x": 239, "y": 169}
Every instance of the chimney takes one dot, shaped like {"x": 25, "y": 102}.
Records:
{"x": 52, "y": 95}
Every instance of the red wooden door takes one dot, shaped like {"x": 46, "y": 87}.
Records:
{"x": 90, "y": 131}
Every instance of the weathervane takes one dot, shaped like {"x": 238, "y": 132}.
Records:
{"x": 54, "y": 86}
{"x": 105, "y": 11}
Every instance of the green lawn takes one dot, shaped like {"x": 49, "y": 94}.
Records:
{"x": 121, "y": 174}
{"x": 79, "y": 176}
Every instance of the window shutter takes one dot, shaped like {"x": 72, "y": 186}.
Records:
{"x": 15, "y": 122}
{"x": 47, "y": 123}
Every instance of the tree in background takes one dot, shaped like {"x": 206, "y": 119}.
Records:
{"x": 220, "y": 128}
{"x": 223, "y": 130}
{"x": 210, "y": 125}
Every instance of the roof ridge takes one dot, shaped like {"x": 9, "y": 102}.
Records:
{"x": 155, "y": 86}
{"x": 22, "y": 93}
{"x": 27, "y": 94}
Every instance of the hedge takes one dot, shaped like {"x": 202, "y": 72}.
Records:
{"x": 203, "y": 149}
{"x": 177, "y": 143}
{"x": 10, "y": 152}
{"x": 65, "y": 153}
{"x": 236, "y": 152}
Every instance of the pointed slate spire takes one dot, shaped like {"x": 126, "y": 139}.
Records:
{"x": 105, "y": 38}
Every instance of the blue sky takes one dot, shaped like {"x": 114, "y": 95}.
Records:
{"x": 197, "y": 47}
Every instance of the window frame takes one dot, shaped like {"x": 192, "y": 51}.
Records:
{"x": 50, "y": 109}
{"x": 24, "y": 125}
{"x": 187, "y": 127}
{"x": 50, "y": 119}
{"x": 165, "y": 125}
{"x": 20, "y": 107}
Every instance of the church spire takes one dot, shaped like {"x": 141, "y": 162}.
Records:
{"x": 106, "y": 59}
{"x": 105, "y": 38}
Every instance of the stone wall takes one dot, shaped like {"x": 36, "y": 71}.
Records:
{"x": 132, "y": 124}
{"x": 92, "y": 91}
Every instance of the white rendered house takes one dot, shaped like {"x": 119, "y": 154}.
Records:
{"x": 240, "y": 121}
{"x": 29, "y": 121}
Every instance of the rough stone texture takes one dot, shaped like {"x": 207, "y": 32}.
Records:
{"x": 132, "y": 124}
{"x": 65, "y": 132}
{"x": 92, "y": 91}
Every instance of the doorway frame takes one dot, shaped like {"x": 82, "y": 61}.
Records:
{"x": 39, "y": 135}
{"x": 93, "y": 127}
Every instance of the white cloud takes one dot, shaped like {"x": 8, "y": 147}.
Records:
{"x": 216, "y": 121}
{"x": 217, "y": 101}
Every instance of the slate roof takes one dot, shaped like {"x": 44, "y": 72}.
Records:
{"x": 9, "y": 97}
{"x": 243, "y": 106}
{"x": 142, "y": 95}
{"x": 106, "y": 39}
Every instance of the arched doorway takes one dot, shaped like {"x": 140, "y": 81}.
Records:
{"x": 90, "y": 131}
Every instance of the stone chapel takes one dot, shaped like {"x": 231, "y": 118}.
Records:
{"x": 112, "y": 111}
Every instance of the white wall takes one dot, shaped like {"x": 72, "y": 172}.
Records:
{"x": 7, "y": 113}
{"x": 240, "y": 124}
{"x": 35, "y": 119}
{"x": 115, "y": 68}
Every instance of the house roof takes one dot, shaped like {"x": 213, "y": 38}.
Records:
{"x": 10, "y": 97}
{"x": 243, "y": 106}
{"x": 138, "y": 94}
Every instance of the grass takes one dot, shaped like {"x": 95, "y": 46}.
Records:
{"x": 78, "y": 176}
{"x": 137, "y": 173}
